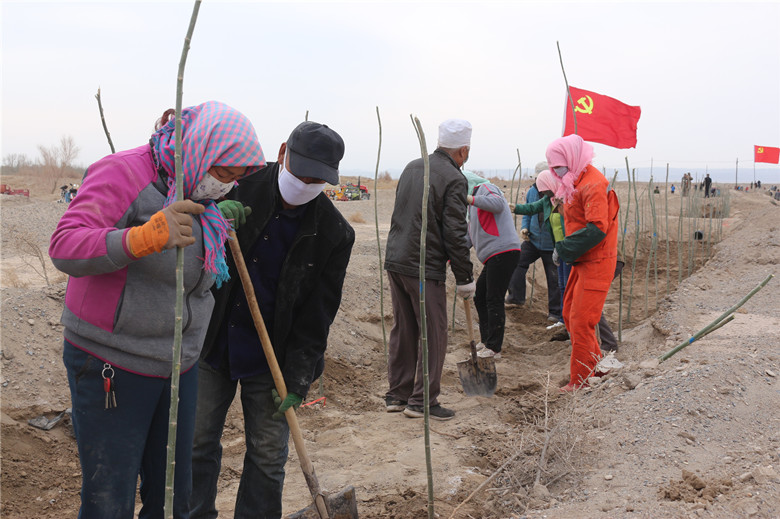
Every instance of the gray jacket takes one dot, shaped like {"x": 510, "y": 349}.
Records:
{"x": 447, "y": 230}
{"x": 491, "y": 228}
{"x": 118, "y": 308}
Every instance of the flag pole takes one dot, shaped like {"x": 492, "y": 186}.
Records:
{"x": 736, "y": 174}
{"x": 568, "y": 91}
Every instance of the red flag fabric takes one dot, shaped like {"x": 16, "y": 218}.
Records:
{"x": 766, "y": 154}
{"x": 602, "y": 119}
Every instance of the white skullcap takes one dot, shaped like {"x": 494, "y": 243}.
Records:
{"x": 454, "y": 133}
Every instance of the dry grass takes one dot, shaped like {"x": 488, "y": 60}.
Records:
{"x": 30, "y": 252}
{"x": 547, "y": 446}
{"x": 11, "y": 279}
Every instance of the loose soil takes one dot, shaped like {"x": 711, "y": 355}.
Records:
{"x": 695, "y": 436}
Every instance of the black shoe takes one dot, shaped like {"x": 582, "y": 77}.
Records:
{"x": 511, "y": 303}
{"x": 394, "y": 405}
{"x": 560, "y": 336}
{"x": 437, "y": 412}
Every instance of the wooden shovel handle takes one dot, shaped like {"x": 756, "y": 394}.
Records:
{"x": 469, "y": 325}
{"x": 276, "y": 372}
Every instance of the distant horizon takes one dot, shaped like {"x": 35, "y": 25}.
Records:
{"x": 768, "y": 176}
{"x": 705, "y": 75}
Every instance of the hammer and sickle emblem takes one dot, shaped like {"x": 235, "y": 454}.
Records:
{"x": 761, "y": 149}
{"x": 587, "y": 105}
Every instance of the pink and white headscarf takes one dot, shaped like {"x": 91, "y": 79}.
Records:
{"x": 574, "y": 153}
{"x": 213, "y": 134}
{"x": 547, "y": 181}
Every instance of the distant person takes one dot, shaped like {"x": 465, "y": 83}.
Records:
{"x": 656, "y": 190}
{"x": 493, "y": 234}
{"x": 296, "y": 247}
{"x": 446, "y": 241}
{"x": 115, "y": 241}
{"x": 672, "y": 188}
{"x": 707, "y": 185}
{"x": 591, "y": 213}
{"x": 537, "y": 244}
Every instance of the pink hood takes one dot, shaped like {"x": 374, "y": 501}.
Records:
{"x": 574, "y": 153}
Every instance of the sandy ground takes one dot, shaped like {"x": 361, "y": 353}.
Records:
{"x": 696, "y": 436}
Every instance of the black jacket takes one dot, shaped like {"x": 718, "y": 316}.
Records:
{"x": 447, "y": 228}
{"x": 310, "y": 282}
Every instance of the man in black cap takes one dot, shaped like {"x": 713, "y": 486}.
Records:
{"x": 296, "y": 246}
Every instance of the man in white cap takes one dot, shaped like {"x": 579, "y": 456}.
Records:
{"x": 446, "y": 240}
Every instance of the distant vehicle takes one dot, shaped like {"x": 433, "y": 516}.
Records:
{"x": 364, "y": 194}
{"x": 349, "y": 191}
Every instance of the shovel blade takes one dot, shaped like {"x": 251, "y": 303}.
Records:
{"x": 340, "y": 506}
{"x": 478, "y": 376}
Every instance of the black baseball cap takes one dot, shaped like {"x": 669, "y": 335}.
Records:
{"x": 315, "y": 151}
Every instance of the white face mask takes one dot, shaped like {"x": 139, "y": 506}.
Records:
{"x": 561, "y": 170}
{"x": 209, "y": 188}
{"x": 294, "y": 190}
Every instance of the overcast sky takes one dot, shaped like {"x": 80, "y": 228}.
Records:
{"x": 706, "y": 74}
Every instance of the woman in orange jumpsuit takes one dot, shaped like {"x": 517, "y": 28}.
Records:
{"x": 590, "y": 211}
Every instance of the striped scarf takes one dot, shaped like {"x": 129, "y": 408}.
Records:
{"x": 213, "y": 134}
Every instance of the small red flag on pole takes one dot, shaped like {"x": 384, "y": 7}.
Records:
{"x": 766, "y": 154}
{"x": 602, "y": 119}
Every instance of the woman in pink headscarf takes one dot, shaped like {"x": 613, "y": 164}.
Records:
{"x": 590, "y": 211}
{"x": 547, "y": 183}
{"x": 116, "y": 242}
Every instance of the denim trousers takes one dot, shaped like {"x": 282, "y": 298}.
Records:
{"x": 117, "y": 445}
{"x": 489, "y": 297}
{"x": 528, "y": 255}
{"x": 262, "y": 477}
{"x": 564, "y": 269}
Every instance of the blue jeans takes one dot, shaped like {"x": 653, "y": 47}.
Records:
{"x": 563, "y": 276}
{"x": 528, "y": 255}
{"x": 262, "y": 478}
{"x": 116, "y": 445}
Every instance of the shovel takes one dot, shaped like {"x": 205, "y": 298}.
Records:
{"x": 477, "y": 375}
{"x": 340, "y": 506}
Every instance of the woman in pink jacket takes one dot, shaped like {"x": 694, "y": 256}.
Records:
{"x": 114, "y": 241}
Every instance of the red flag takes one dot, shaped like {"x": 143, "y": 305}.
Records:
{"x": 766, "y": 154}
{"x": 602, "y": 119}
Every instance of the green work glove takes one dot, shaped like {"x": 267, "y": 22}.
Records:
{"x": 234, "y": 212}
{"x": 291, "y": 400}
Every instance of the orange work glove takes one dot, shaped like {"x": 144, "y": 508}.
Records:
{"x": 171, "y": 227}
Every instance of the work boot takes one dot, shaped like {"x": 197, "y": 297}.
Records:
{"x": 487, "y": 353}
{"x": 437, "y": 412}
{"x": 511, "y": 303}
{"x": 394, "y": 405}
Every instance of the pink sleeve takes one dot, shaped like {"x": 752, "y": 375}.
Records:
{"x": 109, "y": 189}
